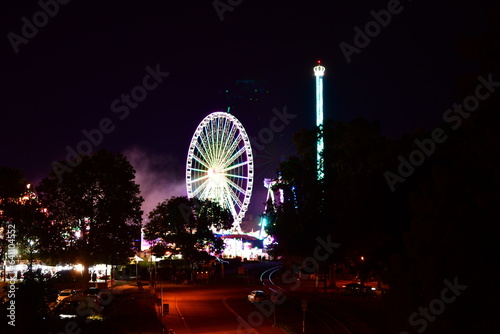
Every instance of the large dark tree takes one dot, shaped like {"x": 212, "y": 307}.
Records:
{"x": 20, "y": 214}
{"x": 95, "y": 211}
{"x": 184, "y": 226}
{"x": 20, "y": 218}
{"x": 352, "y": 203}
{"x": 12, "y": 185}
{"x": 454, "y": 202}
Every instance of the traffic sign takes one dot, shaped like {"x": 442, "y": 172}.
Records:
{"x": 274, "y": 297}
{"x": 304, "y": 304}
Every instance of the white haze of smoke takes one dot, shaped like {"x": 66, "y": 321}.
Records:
{"x": 159, "y": 177}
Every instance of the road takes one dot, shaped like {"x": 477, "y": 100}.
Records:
{"x": 211, "y": 309}
{"x": 221, "y": 307}
{"x": 224, "y": 309}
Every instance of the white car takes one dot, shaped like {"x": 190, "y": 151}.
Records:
{"x": 64, "y": 294}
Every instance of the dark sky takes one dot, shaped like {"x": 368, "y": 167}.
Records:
{"x": 64, "y": 79}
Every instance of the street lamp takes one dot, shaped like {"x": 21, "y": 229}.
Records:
{"x": 137, "y": 259}
{"x": 31, "y": 258}
{"x": 136, "y": 272}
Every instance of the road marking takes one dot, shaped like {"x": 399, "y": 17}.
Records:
{"x": 180, "y": 315}
{"x": 315, "y": 312}
{"x": 270, "y": 280}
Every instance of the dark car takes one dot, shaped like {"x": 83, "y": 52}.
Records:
{"x": 356, "y": 289}
{"x": 103, "y": 295}
{"x": 257, "y": 296}
{"x": 82, "y": 307}
{"x": 92, "y": 291}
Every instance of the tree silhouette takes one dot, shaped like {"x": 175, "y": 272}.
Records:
{"x": 94, "y": 213}
{"x": 184, "y": 226}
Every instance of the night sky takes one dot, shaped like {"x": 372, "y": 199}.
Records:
{"x": 64, "y": 78}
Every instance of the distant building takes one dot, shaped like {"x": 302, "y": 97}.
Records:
{"x": 245, "y": 93}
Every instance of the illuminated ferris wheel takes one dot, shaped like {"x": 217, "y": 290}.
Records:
{"x": 220, "y": 164}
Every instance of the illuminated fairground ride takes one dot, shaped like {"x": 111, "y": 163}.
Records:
{"x": 276, "y": 195}
{"x": 220, "y": 165}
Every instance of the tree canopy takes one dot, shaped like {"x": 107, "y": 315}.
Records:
{"x": 94, "y": 213}
{"x": 185, "y": 226}
{"x": 20, "y": 211}
{"x": 352, "y": 202}
{"x": 439, "y": 224}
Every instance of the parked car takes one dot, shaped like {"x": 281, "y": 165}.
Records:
{"x": 92, "y": 291}
{"x": 64, "y": 294}
{"x": 356, "y": 289}
{"x": 257, "y": 296}
{"x": 104, "y": 295}
{"x": 80, "y": 307}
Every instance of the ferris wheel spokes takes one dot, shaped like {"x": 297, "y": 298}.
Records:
{"x": 235, "y": 186}
{"x": 200, "y": 178}
{"x": 235, "y": 176}
{"x": 199, "y": 189}
{"x": 228, "y": 150}
{"x": 235, "y": 166}
{"x": 235, "y": 199}
{"x": 202, "y": 151}
{"x": 220, "y": 164}
{"x": 234, "y": 157}
{"x": 201, "y": 162}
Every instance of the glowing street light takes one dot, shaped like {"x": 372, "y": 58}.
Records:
{"x": 31, "y": 242}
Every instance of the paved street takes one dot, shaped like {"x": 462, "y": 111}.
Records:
{"x": 221, "y": 307}
{"x": 211, "y": 309}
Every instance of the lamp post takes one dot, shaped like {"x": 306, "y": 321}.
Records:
{"x": 31, "y": 258}
{"x": 150, "y": 270}
{"x": 136, "y": 271}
